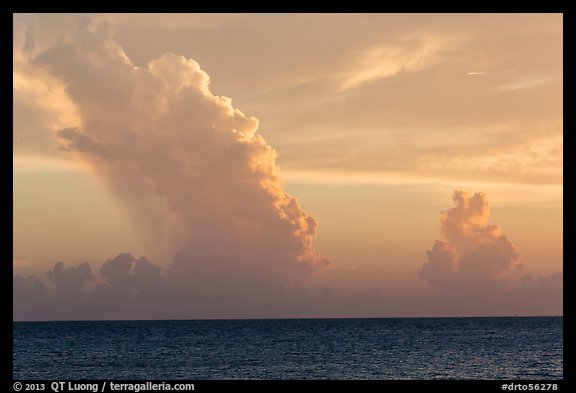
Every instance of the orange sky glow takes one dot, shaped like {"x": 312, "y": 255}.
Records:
{"x": 287, "y": 165}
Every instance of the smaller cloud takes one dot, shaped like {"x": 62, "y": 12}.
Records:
{"x": 476, "y": 73}
{"x": 474, "y": 253}
{"x": 28, "y": 289}
{"x": 127, "y": 287}
{"x": 132, "y": 277}
{"x": 476, "y": 267}
{"x": 70, "y": 282}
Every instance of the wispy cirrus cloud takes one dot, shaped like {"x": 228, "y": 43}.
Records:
{"x": 408, "y": 54}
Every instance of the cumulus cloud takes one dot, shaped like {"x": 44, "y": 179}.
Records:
{"x": 473, "y": 250}
{"x": 204, "y": 190}
{"x": 132, "y": 288}
{"x": 40, "y": 103}
{"x": 187, "y": 163}
{"x": 201, "y": 184}
{"x": 475, "y": 264}
{"x": 70, "y": 282}
{"x": 126, "y": 287}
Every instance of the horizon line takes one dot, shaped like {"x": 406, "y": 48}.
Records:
{"x": 284, "y": 318}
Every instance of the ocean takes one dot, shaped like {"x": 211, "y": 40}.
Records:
{"x": 507, "y": 348}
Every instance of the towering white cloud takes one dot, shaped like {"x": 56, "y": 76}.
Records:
{"x": 197, "y": 177}
{"x": 202, "y": 186}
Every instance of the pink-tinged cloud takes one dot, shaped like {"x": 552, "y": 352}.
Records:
{"x": 204, "y": 188}
{"x": 476, "y": 267}
{"x": 473, "y": 251}
{"x": 200, "y": 182}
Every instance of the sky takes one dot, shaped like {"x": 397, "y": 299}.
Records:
{"x": 177, "y": 166}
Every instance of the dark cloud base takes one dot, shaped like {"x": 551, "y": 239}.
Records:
{"x": 129, "y": 288}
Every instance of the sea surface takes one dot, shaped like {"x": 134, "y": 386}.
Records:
{"x": 517, "y": 348}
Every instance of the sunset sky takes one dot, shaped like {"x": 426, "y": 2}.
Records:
{"x": 287, "y": 165}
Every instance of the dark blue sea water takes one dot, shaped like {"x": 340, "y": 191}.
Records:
{"x": 390, "y": 348}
